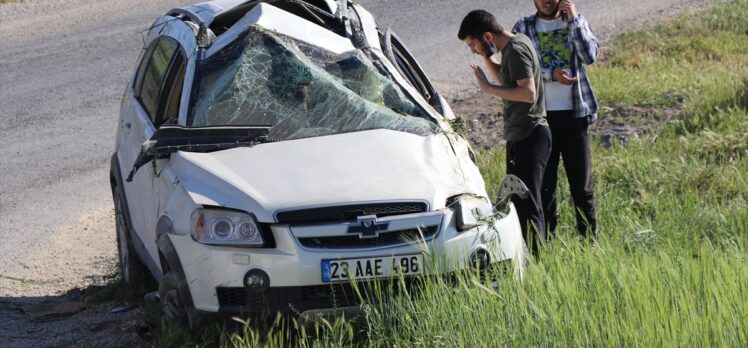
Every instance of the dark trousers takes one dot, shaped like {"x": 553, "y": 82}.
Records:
{"x": 570, "y": 142}
{"x": 527, "y": 160}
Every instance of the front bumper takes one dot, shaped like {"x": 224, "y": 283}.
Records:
{"x": 215, "y": 274}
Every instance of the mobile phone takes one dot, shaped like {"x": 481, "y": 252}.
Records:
{"x": 564, "y": 16}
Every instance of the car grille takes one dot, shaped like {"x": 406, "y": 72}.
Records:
{"x": 349, "y": 212}
{"x": 297, "y": 299}
{"x": 384, "y": 239}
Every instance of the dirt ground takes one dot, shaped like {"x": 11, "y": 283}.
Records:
{"x": 43, "y": 302}
{"x": 482, "y": 118}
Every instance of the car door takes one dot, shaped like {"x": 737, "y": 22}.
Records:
{"x": 154, "y": 100}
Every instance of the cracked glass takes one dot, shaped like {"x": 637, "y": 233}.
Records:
{"x": 268, "y": 79}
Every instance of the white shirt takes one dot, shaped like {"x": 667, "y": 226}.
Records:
{"x": 555, "y": 51}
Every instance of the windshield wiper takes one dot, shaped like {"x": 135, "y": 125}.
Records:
{"x": 170, "y": 139}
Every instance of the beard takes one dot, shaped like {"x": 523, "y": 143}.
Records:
{"x": 552, "y": 15}
{"x": 488, "y": 49}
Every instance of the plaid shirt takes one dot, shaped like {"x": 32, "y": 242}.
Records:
{"x": 585, "y": 48}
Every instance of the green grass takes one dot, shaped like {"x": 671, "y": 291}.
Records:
{"x": 681, "y": 58}
{"x": 671, "y": 267}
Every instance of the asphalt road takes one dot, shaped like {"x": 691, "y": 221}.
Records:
{"x": 64, "y": 65}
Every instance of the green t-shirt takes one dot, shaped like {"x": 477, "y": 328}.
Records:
{"x": 520, "y": 61}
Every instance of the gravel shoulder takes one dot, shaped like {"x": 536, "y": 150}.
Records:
{"x": 64, "y": 67}
{"x": 483, "y": 121}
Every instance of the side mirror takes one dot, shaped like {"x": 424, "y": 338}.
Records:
{"x": 169, "y": 139}
{"x": 144, "y": 157}
{"x": 511, "y": 186}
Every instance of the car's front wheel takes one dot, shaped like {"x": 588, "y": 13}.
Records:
{"x": 173, "y": 304}
{"x": 133, "y": 271}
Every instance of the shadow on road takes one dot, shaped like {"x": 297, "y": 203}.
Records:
{"x": 79, "y": 317}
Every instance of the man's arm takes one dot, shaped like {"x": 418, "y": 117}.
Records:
{"x": 583, "y": 40}
{"x": 524, "y": 92}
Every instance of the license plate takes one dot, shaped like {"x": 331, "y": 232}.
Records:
{"x": 371, "y": 267}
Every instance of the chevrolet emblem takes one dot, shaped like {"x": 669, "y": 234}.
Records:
{"x": 367, "y": 226}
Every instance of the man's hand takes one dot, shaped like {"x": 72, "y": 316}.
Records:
{"x": 568, "y": 8}
{"x": 562, "y": 77}
{"x": 480, "y": 76}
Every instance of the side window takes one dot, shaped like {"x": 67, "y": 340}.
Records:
{"x": 145, "y": 55}
{"x": 172, "y": 91}
{"x": 409, "y": 68}
{"x": 149, "y": 83}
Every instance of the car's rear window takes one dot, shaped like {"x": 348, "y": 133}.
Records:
{"x": 265, "y": 78}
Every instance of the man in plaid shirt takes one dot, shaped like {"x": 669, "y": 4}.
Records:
{"x": 565, "y": 44}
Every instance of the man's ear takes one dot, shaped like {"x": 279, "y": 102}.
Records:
{"x": 488, "y": 36}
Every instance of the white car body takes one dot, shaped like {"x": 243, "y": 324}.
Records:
{"x": 373, "y": 167}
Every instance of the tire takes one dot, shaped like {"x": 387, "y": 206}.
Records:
{"x": 174, "y": 302}
{"x": 133, "y": 272}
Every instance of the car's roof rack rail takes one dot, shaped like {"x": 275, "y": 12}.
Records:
{"x": 185, "y": 13}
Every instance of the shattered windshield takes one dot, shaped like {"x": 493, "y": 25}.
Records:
{"x": 265, "y": 78}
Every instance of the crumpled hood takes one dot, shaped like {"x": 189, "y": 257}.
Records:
{"x": 368, "y": 166}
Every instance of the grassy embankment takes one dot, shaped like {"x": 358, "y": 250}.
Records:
{"x": 671, "y": 268}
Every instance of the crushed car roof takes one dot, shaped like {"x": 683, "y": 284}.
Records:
{"x": 206, "y": 12}
{"x": 337, "y": 26}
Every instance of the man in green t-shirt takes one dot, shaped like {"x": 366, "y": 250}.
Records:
{"x": 520, "y": 86}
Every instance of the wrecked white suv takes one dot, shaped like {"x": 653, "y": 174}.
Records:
{"x": 269, "y": 152}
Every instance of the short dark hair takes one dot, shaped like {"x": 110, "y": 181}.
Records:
{"x": 478, "y": 22}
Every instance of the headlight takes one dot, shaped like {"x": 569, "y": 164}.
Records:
{"x": 225, "y": 227}
{"x": 471, "y": 210}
